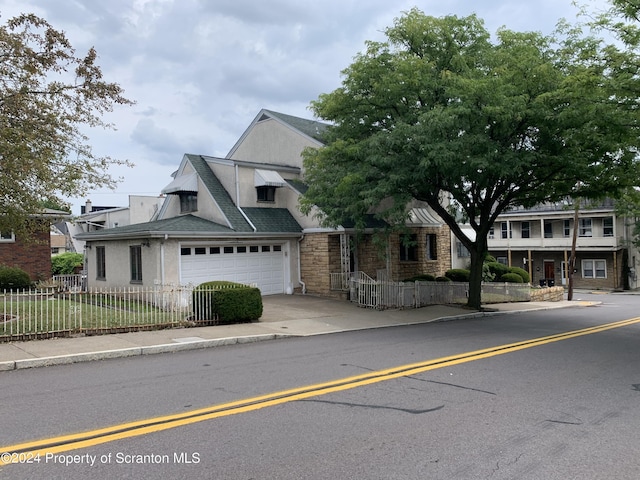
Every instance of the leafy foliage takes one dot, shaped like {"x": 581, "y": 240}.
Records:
{"x": 48, "y": 98}
{"x": 66, "y": 263}
{"x": 526, "y": 278}
{"x": 511, "y": 278}
{"x": 439, "y": 114}
{"x": 13, "y": 278}
{"x": 457, "y": 274}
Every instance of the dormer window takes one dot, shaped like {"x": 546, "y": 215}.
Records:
{"x": 266, "y": 182}
{"x": 266, "y": 194}
{"x": 188, "y": 202}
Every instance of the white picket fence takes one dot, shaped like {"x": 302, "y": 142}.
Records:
{"x": 382, "y": 294}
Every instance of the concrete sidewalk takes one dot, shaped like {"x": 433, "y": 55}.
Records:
{"x": 283, "y": 316}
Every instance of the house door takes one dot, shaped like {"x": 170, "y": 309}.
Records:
{"x": 549, "y": 272}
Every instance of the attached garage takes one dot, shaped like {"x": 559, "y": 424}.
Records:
{"x": 262, "y": 265}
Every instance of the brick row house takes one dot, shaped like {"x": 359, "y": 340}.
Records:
{"x": 237, "y": 218}
{"x": 33, "y": 254}
{"x": 540, "y": 241}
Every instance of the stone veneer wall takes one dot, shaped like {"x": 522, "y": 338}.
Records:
{"x": 548, "y": 294}
{"x": 406, "y": 269}
{"x": 316, "y": 251}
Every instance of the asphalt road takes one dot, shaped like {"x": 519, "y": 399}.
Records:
{"x": 432, "y": 401}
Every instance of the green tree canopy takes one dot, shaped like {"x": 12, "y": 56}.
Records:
{"x": 440, "y": 113}
{"x": 48, "y": 97}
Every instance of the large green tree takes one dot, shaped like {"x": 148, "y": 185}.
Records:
{"x": 49, "y": 98}
{"x": 440, "y": 113}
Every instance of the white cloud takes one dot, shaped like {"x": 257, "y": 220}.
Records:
{"x": 201, "y": 70}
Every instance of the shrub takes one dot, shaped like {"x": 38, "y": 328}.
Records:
{"x": 66, "y": 263}
{"x": 13, "y": 278}
{"x": 512, "y": 278}
{"x": 498, "y": 269}
{"x": 443, "y": 279}
{"x": 226, "y": 302}
{"x": 522, "y": 272}
{"x": 235, "y": 305}
{"x": 425, "y": 277}
{"x": 457, "y": 275}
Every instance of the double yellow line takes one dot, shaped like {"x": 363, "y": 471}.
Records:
{"x": 132, "y": 429}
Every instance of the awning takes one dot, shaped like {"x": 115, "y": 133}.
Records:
{"x": 268, "y": 178}
{"x": 183, "y": 183}
{"x": 423, "y": 217}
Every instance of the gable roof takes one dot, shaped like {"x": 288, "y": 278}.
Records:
{"x": 219, "y": 194}
{"x": 310, "y": 128}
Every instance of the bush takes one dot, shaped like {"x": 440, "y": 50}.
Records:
{"x": 425, "y": 277}
{"x": 522, "y": 272}
{"x": 66, "y": 263}
{"x": 226, "y": 302}
{"x": 13, "y": 278}
{"x": 512, "y": 278}
{"x": 443, "y": 279}
{"x": 457, "y": 275}
{"x": 498, "y": 269}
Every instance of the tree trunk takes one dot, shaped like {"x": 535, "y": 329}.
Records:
{"x": 475, "y": 277}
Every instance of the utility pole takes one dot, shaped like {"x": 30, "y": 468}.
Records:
{"x": 572, "y": 258}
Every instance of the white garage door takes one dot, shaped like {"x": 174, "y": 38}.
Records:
{"x": 262, "y": 265}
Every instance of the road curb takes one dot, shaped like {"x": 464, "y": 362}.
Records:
{"x": 135, "y": 351}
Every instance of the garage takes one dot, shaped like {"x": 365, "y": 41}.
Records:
{"x": 261, "y": 265}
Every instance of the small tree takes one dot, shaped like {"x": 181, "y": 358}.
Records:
{"x": 48, "y": 97}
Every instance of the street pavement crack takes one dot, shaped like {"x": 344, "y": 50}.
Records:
{"x": 383, "y": 407}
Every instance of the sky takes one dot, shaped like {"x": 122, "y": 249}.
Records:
{"x": 201, "y": 70}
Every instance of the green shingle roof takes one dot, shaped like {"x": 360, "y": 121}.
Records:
{"x": 312, "y": 128}
{"x": 184, "y": 223}
{"x": 272, "y": 220}
{"x": 218, "y": 192}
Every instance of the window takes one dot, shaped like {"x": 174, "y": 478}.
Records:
{"x": 227, "y": 249}
{"x": 504, "y": 230}
{"x": 266, "y": 194}
{"x": 463, "y": 252}
{"x": 432, "y": 246}
{"x": 200, "y": 250}
{"x": 101, "y": 264}
{"x": 277, "y": 248}
{"x": 492, "y": 233}
{"x": 607, "y": 226}
{"x": 185, "y": 251}
{"x": 584, "y": 227}
{"x": 7, "y": 237}
{"x": 548, "y": 229}
{"x": 135, "y": 262}
{"x": 594, "y": 269}
{"x": 567, "y": 228}
{"x": 188, "y": 202}
{"x": 525, "y": 229}
{"x": 502, "y": 260}
{"x": 408, "y": 248}
{"x": 214, "y": 250}
{"x": 253, "y": 248}
{"x": 241, "y": 249}
{"x": 55, "y": 250}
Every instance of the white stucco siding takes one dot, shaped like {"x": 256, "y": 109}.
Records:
{"x": 271, "y": 142}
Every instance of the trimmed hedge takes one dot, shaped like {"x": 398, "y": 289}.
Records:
{"x": 13, "y": 278}
{"x": 522, "y": 272}
{"x": 226, "y": 302}
{"x": 443, "y": 279}
{"x": 498, "y": 269}
{"x": 511, "y": 278}
{"x": 457, "y": 275}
